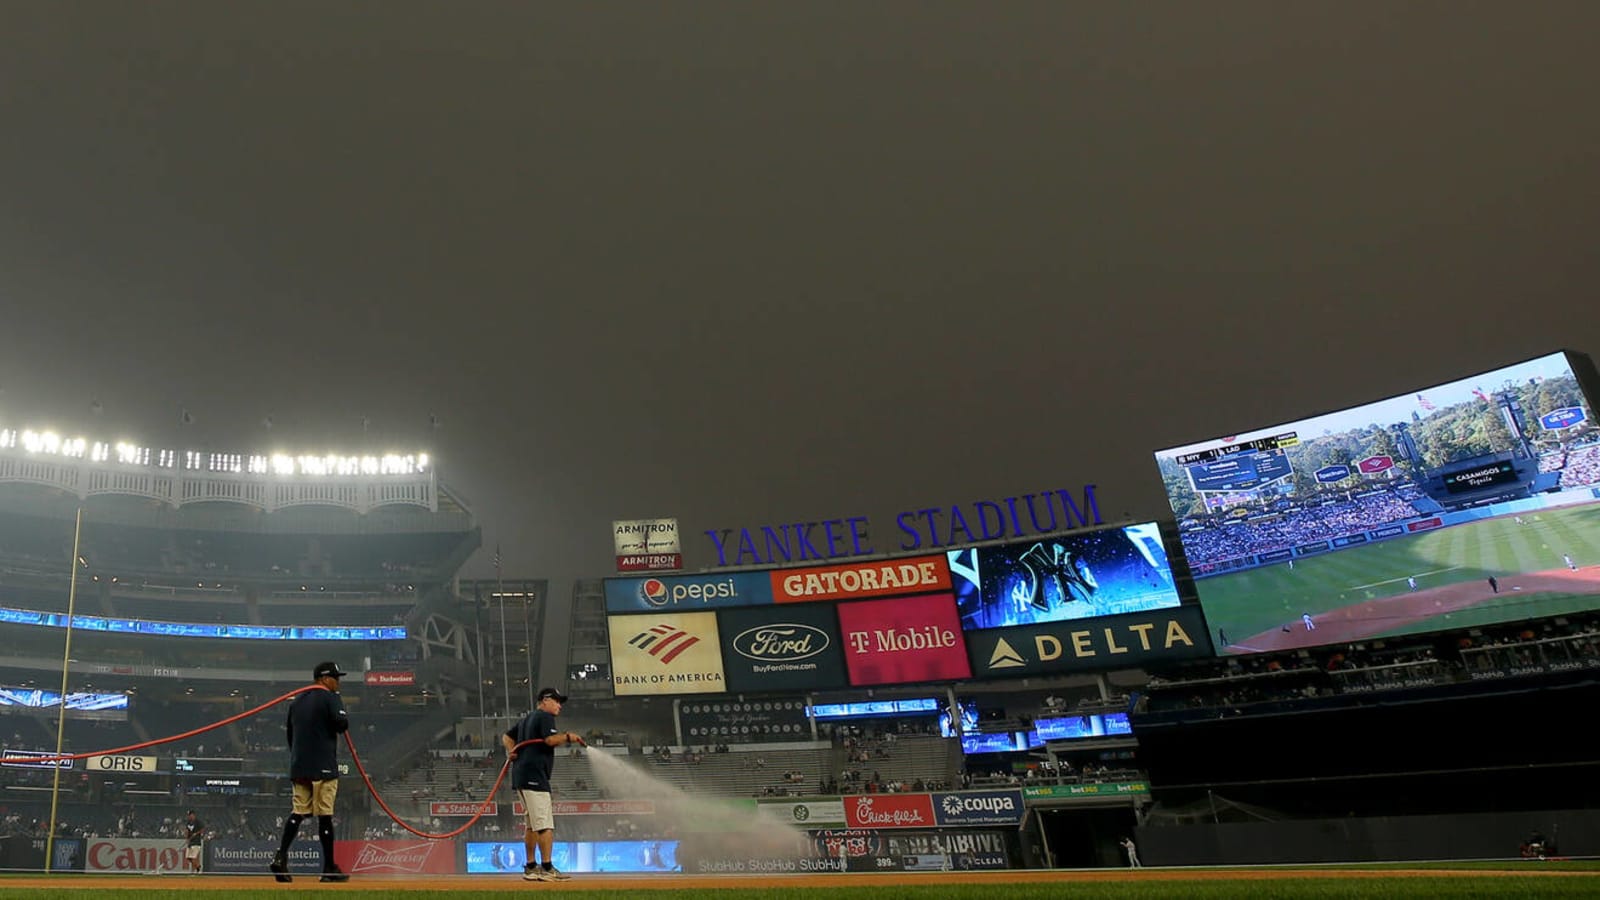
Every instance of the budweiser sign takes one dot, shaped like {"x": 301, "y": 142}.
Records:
{"x": 399, "y": 678}
{"x": 445, "y": 808}
{"x": 396, "y": 857}
{"x": 890, "y": 811}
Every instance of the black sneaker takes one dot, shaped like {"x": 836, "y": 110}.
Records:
{"x": 334, "y": 873}
{"x": 280, "y": 869}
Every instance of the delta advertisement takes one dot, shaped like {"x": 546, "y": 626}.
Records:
{"x": 909, "y": 640}
{"x": 666, "y": 653}
{"x": 1112, "y": 571}
{"x": 415, "y": 857}
{"x": 686, "y": 593}
{"x": 1083, "y": 646}
{"x": 778, "y": 648}
{"x": 885, "y": 578}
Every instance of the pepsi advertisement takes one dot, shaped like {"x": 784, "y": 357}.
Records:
{"x": 687, "y": 593}
{"x": 1057, "y": 579}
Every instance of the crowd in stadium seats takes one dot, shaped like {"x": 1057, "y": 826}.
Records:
{"x": 1581, "y": 467}
{"x": 1230, "y": 687}
{"x": 1296, "y": 525}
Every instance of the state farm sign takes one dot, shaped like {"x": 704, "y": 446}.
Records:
{"x": 446, "y": 808}
{"x": 133, "y": 855}
{"x": 889, "y": 811}
{"x": 396, "y": 857}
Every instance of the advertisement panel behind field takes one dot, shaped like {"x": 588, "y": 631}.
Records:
{"x": 1111, "y": 571}
{"x": 777, "y": 648}
{"x": 907, "y": 640}
{"x": 666, "y": 653}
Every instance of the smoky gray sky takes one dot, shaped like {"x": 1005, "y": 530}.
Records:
{"x": 742, "y": 263}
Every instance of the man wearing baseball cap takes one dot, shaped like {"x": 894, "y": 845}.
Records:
{"x": 530, "y": 778}
{"x": 316, "y": 719}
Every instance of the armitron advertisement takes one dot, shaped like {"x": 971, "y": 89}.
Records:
{"x": 666, "y": 653}
{"x": 904, "y": 641}
{"x": 1114, "y": 642}
{"x": 647, "y": 545}
{"x": 854, "y": 581}
{"x": 774, "y": 648}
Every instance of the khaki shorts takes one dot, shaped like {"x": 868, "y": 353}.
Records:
{"x": 315, "y": 798}
{"x": 191, "y": 852}
{"x": 536, "y": 810}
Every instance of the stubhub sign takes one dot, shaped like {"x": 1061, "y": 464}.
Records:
{"x": 686, "y": 593}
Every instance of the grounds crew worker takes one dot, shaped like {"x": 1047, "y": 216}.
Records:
{"x": 530, "y": 778}
{"x": 316, "y": 719}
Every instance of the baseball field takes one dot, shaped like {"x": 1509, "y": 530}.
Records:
{"x": 1367, "y": 592}
{"x": 1510, "y": 880}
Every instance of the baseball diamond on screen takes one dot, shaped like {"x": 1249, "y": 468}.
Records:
{"x": 1449, "y": 506}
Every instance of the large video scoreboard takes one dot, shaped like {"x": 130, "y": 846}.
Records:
{"x": 1092, "y": 600}
{"x": 1450, "y": 505}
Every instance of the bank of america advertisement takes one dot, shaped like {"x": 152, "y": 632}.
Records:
{"x": 666, "y": 653}
{"x": 1088, "y": 645}
{"x": 686, "y": 593}
{"x": 776, "y": 648}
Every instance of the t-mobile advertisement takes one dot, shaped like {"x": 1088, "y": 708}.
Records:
{"x": 790, "y": 647}
{"x": 909, "y": 640}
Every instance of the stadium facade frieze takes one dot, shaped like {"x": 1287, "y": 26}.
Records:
{"x": 921, "y": 529}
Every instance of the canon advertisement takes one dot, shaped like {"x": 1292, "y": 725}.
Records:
{"x": 1077, "y": 576}
{"x": 1085, "y": 646}
{"x": 131, "y": 855}
{"x": 668, "y": 653}
{"x": 687, "y": 593}
{"x": 909, "y": 640}
{"x": 781, "y": 648}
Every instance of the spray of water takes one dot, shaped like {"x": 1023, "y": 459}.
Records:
{"x": 707, "y": 826}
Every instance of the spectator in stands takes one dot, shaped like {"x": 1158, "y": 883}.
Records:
{"x": 316, "y": 719}
{"x": 530, "y": 777}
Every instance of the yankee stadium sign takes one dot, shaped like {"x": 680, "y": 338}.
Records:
{"x": 929, "y": 528}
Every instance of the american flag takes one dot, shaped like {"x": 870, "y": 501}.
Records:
{"x": 1478, "y": 392}
{"x": 1425, "y": 403}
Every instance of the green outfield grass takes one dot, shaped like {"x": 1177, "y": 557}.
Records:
{"x": 1250, "y": 602}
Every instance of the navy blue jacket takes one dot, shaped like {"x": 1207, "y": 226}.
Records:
{"x": 316, "y": 719}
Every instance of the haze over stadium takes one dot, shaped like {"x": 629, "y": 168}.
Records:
{"x": 559, "y": 266}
